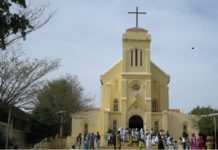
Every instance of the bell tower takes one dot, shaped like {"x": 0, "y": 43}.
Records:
{"x": 136, "y": 51}
{"x": 136, "y": 75}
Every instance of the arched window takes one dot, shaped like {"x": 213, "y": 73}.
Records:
{"x": 86, "y": 128}
{"x": 154, "y": 105}
{"x": 156, "y": 126}
{"x": 116, "y": 105}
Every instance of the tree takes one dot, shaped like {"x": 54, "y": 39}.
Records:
{"x": 66, "y": 94}
{"x": 43, "y": 123}
{"x": 203, "y": 110}
{"x": 21, "y": 78}
{"x": 205, "y": 124}
{"x": 17, "y": 19}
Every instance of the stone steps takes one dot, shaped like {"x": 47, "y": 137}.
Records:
{"x": 128, "y": 146}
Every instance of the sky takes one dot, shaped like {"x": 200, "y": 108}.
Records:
{"x": 87, "y": 36}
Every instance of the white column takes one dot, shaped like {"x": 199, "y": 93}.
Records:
{"x": 167, "y": 97}
{"x": 148, "y": 120}
{"x": 123, "y": 100}
{"x": 102, "y": 98}
{"x": 148, "y": 95}
{"x": 123, "y": 113}
{"x": 125, "y": 60}
{"x": 148, "y": 61}
{"x": 104, "y": 121}
{"x": 165, "y": 121}
{"x": 107, "y": 96}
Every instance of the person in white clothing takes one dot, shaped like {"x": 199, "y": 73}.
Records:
{"x": 153, "y": 140}
{"x": 156, "y": 140}
{"x": 141, "y": 131}
{"x": 148, "y": 141}
{"x": 168, "y": 141}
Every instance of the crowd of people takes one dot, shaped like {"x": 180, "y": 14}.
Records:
{"x": 194, "y": 142}
{"x": 143, "y": 138}
{"x": 163, "y": 140}
{"x": 87, "y": 141}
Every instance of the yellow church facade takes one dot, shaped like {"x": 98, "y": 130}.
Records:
{"x": 134, "y": 94}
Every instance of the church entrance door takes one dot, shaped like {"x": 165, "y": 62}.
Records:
{"x": 136, "y": 122}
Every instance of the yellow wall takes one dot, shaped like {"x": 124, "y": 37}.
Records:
{"x": 159, "y": 87}
{"x": 92, "y": 118}
{"x": 177, "y": 120}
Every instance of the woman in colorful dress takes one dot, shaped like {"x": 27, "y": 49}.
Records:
{"x": 193, "y": 142}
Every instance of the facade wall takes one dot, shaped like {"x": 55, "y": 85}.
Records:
{"x": 177, "y": 121}
{"x": 114, "y": 117}
{"x": 91, "y": 118}
{"x": 157, "y": 117}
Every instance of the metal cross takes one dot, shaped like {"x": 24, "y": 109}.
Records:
{"x": 137, "y": 12}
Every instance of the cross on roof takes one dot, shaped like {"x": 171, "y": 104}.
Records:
{"x": 137, "y": 12}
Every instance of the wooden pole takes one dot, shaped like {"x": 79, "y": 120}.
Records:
{"x": 7, "y": 130}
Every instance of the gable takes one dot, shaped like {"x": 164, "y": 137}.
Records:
{"x": 116, "y": 70}
{"x": 113, "y": 72}
{"x": 136, "y": 103}
{"x": 136, "y": 108}
{"x": 159, "y": 74}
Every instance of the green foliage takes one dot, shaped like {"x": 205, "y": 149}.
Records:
{"x": 10, "y": 22}
{"x": 203, "y": 110}
{"x": 43, "y": 122}
{"x": 205, "y": 124}
{"x": 64, "y": 94}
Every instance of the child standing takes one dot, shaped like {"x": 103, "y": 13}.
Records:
{"x": 175, "y": 146}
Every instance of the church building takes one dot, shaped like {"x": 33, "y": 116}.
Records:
{"x": 134, "y": 94}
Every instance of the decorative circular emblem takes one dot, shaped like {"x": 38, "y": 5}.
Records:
{"x": 136, "y": 86}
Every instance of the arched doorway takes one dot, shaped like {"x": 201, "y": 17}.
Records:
{"x": 136, "y": 122}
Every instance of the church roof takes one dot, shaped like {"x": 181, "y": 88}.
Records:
{"x": 15, "y": 112}
{"x": 175, "y": 110}
{"x": 117, "y": 66}
{"x": 92, "y": 109}
{"x": 113, "y": 66}
{"x": 152, "y": 63}
{"x": 135, "y": 29}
